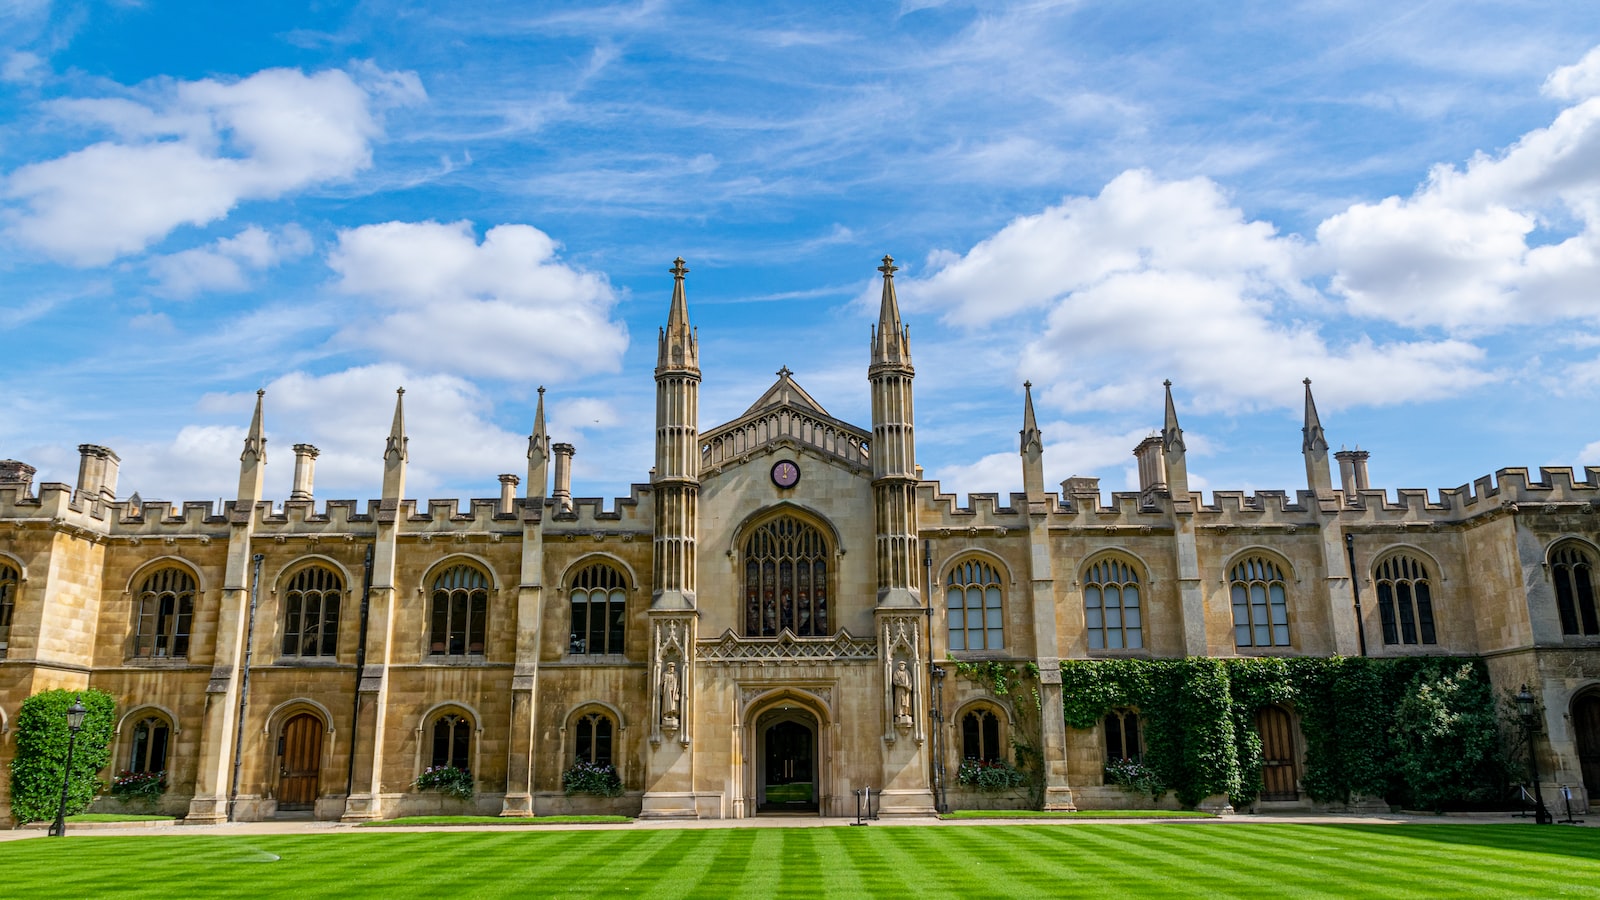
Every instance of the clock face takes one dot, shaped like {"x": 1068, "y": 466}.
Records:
{"x": 785, "y": 474}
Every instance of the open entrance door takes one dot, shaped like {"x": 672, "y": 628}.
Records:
{"x": 788, "y": 779}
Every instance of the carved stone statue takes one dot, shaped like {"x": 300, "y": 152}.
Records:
{"x": 902, "y": 694}
{"x": 670, "y": 694}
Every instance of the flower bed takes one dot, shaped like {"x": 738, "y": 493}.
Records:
{"x": 600, "y": 780}
{"x": 447, "y": 780}
{"x": 990, "y": 775}
{"x": 139, "y": 787}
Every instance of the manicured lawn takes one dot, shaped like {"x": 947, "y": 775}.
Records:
{"x": 115, "y": 817}
{"x": 1077, "y": 814}
{"x": 498, "y": 820}
{"x": 1099, "y": 860}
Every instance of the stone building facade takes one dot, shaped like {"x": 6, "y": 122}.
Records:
{"x": 760, "y": 626}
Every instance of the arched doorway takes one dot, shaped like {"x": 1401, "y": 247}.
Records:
{"x": 299, "y": 762}
{"x": 1586, "y": 728}
{"x": 786, "y": 754}
{"x": 1278, "y": 775}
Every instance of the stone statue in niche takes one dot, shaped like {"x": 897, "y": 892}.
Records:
{"x": 902, "y": 694}
{"x": 671, "y": 696}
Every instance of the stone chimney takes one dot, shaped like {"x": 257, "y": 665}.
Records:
{"x": 1152, "y": 466}
{"x": 1082, "y": 486}
{"x": 1352, "y": 472}
{"x": 18, "y": 475}
{"x": 563, "y": 492}
{"x": 97, "y": 471}
{"x": 305, "y": 468}
{"x": 508, "y": 494}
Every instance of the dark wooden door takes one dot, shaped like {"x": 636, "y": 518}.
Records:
{"x": 789, "y": 779}
{"x": 1586, "y": 722}
{"x": 1277, "y": 754}
{"x": 301, "y": 762}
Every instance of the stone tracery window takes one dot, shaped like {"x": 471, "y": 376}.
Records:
{"x": 1111, "y": 610}
{"x": 1405, "y": 601}
{"x": 9, "y": 580}
{"x": 785, "y": 579}
{"x": 592, "y": 739}
{"x": 599, "y": 599}
{"x": 1573, "y": 572}
{"x": 1122, "y": 735}
{"x": 460, "y": 612}
{"x": 165, "y": 614}
{"x": 1260, "y": 603}
{"x": 147, "y": 750}
{"x": 311, "y": 613}
{"x": 973, "y": 601}
{"x": 452, "y": 742}
{"x": 980, "y": 735}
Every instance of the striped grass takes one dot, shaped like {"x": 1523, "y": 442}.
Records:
{"x": 1078, "y": 814}
{"x": 435, "y": 821}
{"x": 1098, "y": 860}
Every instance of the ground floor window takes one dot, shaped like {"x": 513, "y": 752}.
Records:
{"x": 452, "y": 742}
{"x": 592, "y": 743}
{"x": 980, "y": 736}
{"x": 148, "y": 750}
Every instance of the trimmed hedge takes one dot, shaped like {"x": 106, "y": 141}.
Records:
{"x": 40, "y": 761}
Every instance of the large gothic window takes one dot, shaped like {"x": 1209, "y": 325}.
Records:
{"x": 165, "y": 608}
{"x": 599, "y": 608}
{"x": 1260, "y": 603}
{"x": 1405, "y": 601}
{"x": 1573, "y": 573}
{"x": 460, "y": 612}
{"x": 973, "y": 603}
{"x": 786, "y": 580}
{"x": 311, "y": 615}
{"x": 1111, "y": 606}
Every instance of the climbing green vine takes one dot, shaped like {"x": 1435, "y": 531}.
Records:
{"x": 1019, "y": 682}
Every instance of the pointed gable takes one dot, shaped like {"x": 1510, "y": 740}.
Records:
{"x": 787, "y": 392}
{"x": 787, "y": 414}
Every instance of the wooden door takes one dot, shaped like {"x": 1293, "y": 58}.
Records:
{"x": 1586, "y": 723}
{"x": 1278, "y": 774}
{"x": 300, "y": 762}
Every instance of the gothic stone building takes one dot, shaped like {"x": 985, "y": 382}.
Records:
{"x": 757, "y": 626}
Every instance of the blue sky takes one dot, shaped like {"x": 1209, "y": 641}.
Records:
{"x": 1400, "y": 201}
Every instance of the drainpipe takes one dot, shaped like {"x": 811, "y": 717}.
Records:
{"x": 244, "y": 680}
{"x": 361, "y": 663}
{"x": 1355, "y": 590}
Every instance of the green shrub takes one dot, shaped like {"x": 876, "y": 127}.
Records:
{"x": 447, "y": 780}
{"x": 600, "y": 780}
{"x": 1136, "y": 777}
{"x": 1447, "y": 743}
{"x": 40, "y": 761}
{"x": 990, "y": 775}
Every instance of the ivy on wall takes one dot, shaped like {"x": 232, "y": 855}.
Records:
{"x": 1020, "y": 683}
{"x": 41, "y": 757}
{"x": 1419, "y": 731}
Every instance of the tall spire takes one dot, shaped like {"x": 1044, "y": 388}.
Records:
{"x": 394, "y": 451}
{"x": 1314, "y": 444}
{"x": 1032, "y": 448}
{"x": 1173, "y": 452}
{"x": 253, "y": 460}
{"x": 891, "y": 341}
{"x": 538, "y": 453}
{"x": 679, "y": 345}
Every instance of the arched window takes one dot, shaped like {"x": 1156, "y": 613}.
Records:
{"x": 1260, "y": 604}
{"x": 9, "y": 579}
{"x": 452, "y": 742}
{"x": 972, "y": 597}
{"x": 980, "y": 736}
{"x": 460, "y": 612}
{"x": 1573, "y": 573}
{"x": 592, "y": 739}
{"x": 786, "y": 579}
{"x": 1405, "y": 601}
{"x": 311, "y": 620}
{"x": 147, "y": 750}
{"x": 599, "y": 609}
{"x": 165, "y": 609}
{"x": 1122, "y": 735}
{"x": 1111, "y": 606}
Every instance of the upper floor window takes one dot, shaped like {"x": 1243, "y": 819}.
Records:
{"x": 460, "y": 611}
{"x": 9, "y": 579}
{"x": 1260, "y": 604}
{"x": 786, "y": 579}
{"x": 980, "y": 736}
{"x": 1405, "y": 601}
{"x": 311, "y": 619}
{"x": 1111, "y": 606}
{"x": 1573, "y": 572}
{"x": 599, "y": 608}
{"x": 165, "y": 609}
{"x": 147, "y": 752}
{"x": 452, "y": 742}
{"x": 1122, "y": 735}
{"x": 592, "y": 740}
{"x": 973, "y": 603}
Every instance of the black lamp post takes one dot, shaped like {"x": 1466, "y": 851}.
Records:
{"x": 75, "y": 714}
{"x": 1530, "y": 722}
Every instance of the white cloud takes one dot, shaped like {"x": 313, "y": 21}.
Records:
{"x": 1579, "y": 81}
{"x": 188, "y": 152}
{"x": 506, "y": 307}
{"x": 21, "y": 66}
{"x": 225, "y": 264}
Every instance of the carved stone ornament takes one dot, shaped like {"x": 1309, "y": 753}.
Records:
{"x": 730, "y": 648}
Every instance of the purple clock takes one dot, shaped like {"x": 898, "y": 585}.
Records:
{"x": 785, "y": 474}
